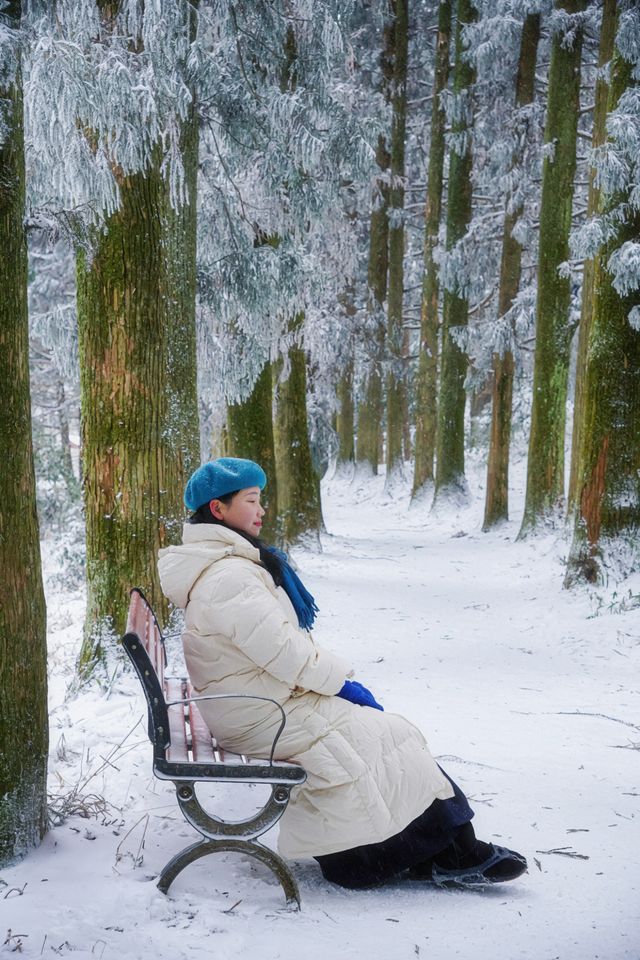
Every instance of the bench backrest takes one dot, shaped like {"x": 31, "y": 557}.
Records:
{"x": 144, "y": 643}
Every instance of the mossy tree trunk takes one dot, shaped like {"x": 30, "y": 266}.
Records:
{"x": 371, "y": 406}
{"x": 396, "y": 388}
{"x": 183, "y": 428}
{"x": 250, "y": 435}
{"x": 299, "y": 509}
{"x": 427, "y": 375}
{"x": 496, "y": 509}
{"x": 23, "y": 652}
{"x": 140, "y": 438}
{"x": 545, "y": 465}
{"x": 451, "y": 403}
{"x": 63, "y": 426}
{"x": 607, "y": 44}
{"x": 345, "y": 418}
{"x": 608, "y": 471}
{"x": 123, "y": 327}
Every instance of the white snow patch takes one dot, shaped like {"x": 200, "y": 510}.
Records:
{"x": 529, "y": 701}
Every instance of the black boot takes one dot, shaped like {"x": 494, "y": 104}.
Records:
{"x": 468, "y": 861}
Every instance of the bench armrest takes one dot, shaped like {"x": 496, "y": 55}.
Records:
{"x": 239, "y": 696}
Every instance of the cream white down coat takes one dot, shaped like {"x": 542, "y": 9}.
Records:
{"x": 369, "y": 773}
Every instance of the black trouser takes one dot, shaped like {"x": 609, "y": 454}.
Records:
{"x": 374, "y": 863}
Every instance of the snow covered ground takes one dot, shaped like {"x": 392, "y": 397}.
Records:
{"x": 529, "y": 697}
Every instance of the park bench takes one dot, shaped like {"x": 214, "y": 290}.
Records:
{"x": 185, "y": 752}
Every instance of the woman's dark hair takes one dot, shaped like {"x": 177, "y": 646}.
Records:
{"x": 268, "y": 560}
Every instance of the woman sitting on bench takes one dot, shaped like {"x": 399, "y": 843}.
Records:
{"x": 375, "y": 805}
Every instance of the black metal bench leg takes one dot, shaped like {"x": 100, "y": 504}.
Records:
{"x": 254, "y": 849}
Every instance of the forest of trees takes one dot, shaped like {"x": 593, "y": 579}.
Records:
{"x": 376, "y": 233}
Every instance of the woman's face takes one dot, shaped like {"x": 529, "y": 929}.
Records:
{"x": 244, "y": 512}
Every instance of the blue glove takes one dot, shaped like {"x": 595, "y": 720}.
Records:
{"x": 356, "y": 693}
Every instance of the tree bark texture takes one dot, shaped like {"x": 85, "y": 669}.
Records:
{"x": 345, "y": 419}
{"x": 451, "y": 403}
{"x": 370, "y": 408}
{"x": 136, "y": 326}
{"x": 395, "y": 380}
{"x": 607, "y": 45}
{"x": 344, "y": 425}
{"x": 427, "y": 375}
{"x": 496, "y": 508}
{"x": 63, "y": 426}
{"x": 608, "y": 489}
{"x": 545, "y": 465}
{"x": 250, "y": 435}
{"x": 182, "y": 429}
{"x": 123, "y": 326}
{"x": 24, "y": 736}
{"x": 300, "y": 514}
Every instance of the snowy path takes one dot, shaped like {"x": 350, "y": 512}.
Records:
{"x": 530, "y": 704}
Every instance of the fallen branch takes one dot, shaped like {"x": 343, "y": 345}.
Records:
{"x": 603, "y": 716}
{"x": 565, "y": 852}
{"x": 575, "y": 713}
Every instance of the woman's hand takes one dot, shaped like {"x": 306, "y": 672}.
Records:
{"x": 356, "y": 693}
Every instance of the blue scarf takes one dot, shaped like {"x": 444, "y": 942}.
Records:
{"x": 304, "y": 604}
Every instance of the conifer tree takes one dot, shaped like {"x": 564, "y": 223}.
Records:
{"x": 497, "y": 495}
{"x": 182, "y": 431}
{"x": 607, "y": 43}
{"x": 427, "y": 374}
{"x": 123, "y": 326}
{"x": 545, "y": 465}
{"x": 451, "y": 402}
{"x": 607, "y": 517}
{"x": 250, "y": 435}
{"x": 396, "y": 388}
{"x": 299, "y": 510}
{"x": 136, "y": 312}
{"x": 345, "y": 421}
{"x": 23, "y": 651}
{"x": 371, "y": 405}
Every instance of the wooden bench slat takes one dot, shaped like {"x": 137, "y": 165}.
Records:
{"x": 158, "y": 650}
{"x": 141, "y": 621}
{"x": 178, "y": 751}
{"x": 201, "y": 744}
{"x": 133, "y": 617}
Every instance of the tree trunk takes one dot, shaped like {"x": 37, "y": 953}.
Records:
{"x": 136, "y": 328}
{"x": 63, "y": 426}
{"x": 123, "y": 327}
{"x": 608, "y": 487}
{"x": 545, "y": 466}
{"x": 250, "y": 434}
{"x": 607, "y": 44}
{"x": 24, "y": 735}
{"x": 479, "y": 400}
{"x": 370, "y": 408}
{"x": 395, "y": 380}
{"x": 344, "y": 425}
{"x": 345, "y": 419}
{"x": 450, "y": 429}
{"x": 183, "y": 427}
{"x": 300, "y": 514}
{"x": 427, "y": 376}
{"x": 496, "y": 509}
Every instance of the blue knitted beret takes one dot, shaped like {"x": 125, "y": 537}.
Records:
{"x": 224, "y": 475}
